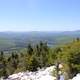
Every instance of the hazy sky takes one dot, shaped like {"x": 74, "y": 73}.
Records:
{"x": 39, "y": 15}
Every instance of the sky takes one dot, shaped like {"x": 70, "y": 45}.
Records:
{"x": 39, "y": 15}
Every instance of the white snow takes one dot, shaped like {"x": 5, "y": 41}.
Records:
{"x": 42, "y": 74}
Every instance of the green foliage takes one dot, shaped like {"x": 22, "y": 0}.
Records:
{"x": 40, "y": 55}
{"x": 29, "y": 50}
{"x": 70, "y": 57}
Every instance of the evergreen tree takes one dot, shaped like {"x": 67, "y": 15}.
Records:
{"x": 1, "y": 56}
{"x": 29, "y": 49}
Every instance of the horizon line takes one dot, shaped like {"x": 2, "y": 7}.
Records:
{"x": 40, "y": 30}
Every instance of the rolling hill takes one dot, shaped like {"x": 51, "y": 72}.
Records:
{"x": 16, "y": 40}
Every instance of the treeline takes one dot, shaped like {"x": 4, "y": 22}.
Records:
{"x": 41, "y": 55}
{"x": 36, "y": 56}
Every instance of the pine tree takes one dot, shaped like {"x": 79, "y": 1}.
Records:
{"x": 29, "y": 49}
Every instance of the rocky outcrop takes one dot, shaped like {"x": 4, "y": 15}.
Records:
{"x": 42, "y": 74}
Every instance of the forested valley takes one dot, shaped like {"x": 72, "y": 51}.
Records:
{"x": 41, "y": 55}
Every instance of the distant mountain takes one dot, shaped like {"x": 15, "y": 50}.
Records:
{"x": 15, "y": 40}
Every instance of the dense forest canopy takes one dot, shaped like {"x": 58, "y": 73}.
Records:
{"x": 40, "y": 55}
